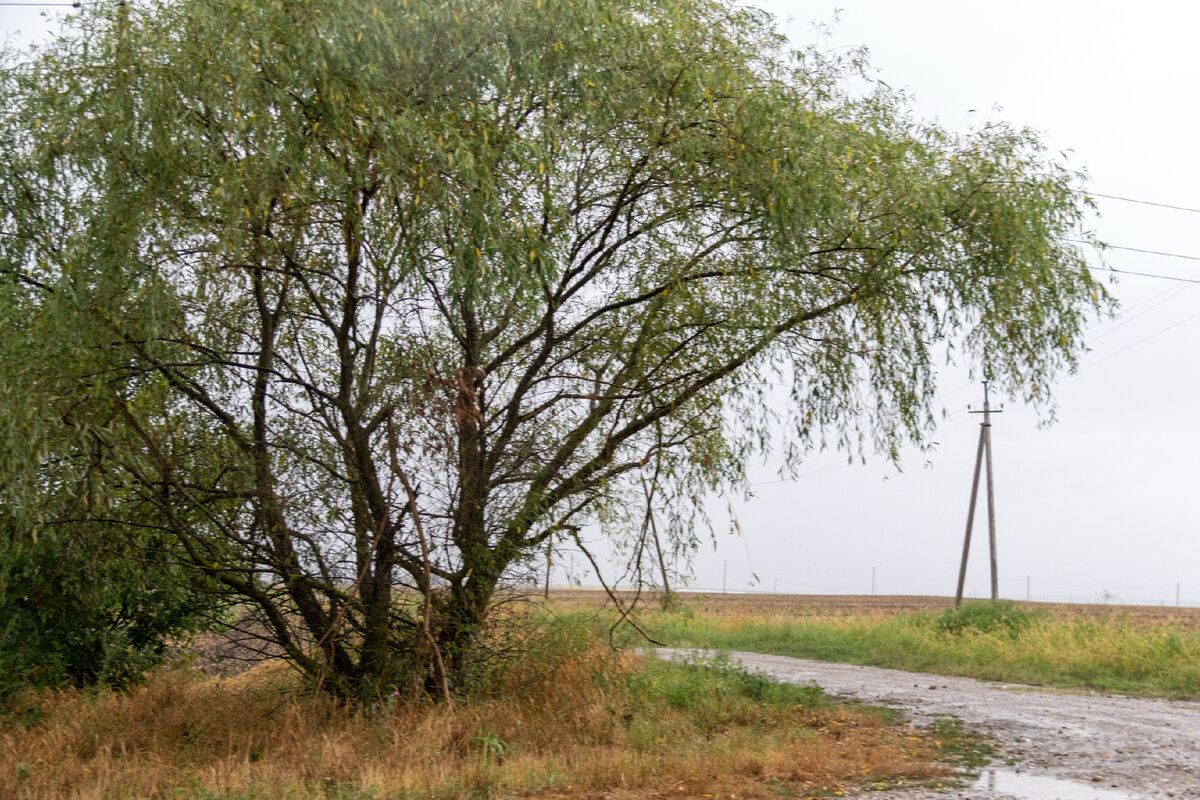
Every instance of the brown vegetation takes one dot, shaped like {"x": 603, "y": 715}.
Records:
{"x": 587, "y": 723}
{"x": 826, "y": 606}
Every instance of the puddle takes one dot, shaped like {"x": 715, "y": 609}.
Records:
{"x": 1039, "y": 787}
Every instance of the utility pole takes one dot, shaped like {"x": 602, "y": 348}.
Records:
{"x": 985, "y": 448}
{"x": 549, "y": 561}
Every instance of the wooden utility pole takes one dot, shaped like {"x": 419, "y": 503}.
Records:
{"x": 985, "y": 450}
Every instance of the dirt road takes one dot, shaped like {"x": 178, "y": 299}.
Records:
{"x": 1064, "y": 745}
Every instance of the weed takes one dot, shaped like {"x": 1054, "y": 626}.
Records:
{"x": 1001, "y": 616}
{"x": 959, "y": 746}
{"x": 492, "y": 749}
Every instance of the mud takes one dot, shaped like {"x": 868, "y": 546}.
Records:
{"x": 1051, "y": 745}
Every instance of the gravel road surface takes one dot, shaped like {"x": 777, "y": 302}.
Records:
{"x": 1067, "y": 745}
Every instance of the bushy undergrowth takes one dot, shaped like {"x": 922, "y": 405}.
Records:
{"x": 1005, "y": 642}
{"x": 578, "y": 720}
{"x": 72, "y": 615}
{"x": 1003, "y": 616}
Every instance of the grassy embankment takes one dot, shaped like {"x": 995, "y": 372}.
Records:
{"x": 1152, "y": 653}
{"x": 577, "y": 720}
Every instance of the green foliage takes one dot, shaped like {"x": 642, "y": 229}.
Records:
{"x": 71, "y": 614}
{"x": 1002, "y": 616}
{"x": 392, "y": 294}
{"x": 492, "y": 749}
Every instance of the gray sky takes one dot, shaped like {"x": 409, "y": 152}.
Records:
{"x": 1103, "y": 502}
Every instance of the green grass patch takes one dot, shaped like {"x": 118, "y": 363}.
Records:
{"x": 718, "y": 687}
{"x": 967, "y": 750}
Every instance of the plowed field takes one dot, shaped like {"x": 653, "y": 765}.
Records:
{"x": 825, "y": 606}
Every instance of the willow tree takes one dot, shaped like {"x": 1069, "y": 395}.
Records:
{"x": 366, "y": 301}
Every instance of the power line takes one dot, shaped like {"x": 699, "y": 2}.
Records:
{"x": 809, "y": 474}
{"x": 1151, "y": 252}
{"x": 1150, "y": 274}
{"x": 1153, "y": 300}
{"x": 1139, "y": 341}
{"x": 1103, "y": 246}
{"x": 1170, "y": 293}
{"x": 1144, "y": 202}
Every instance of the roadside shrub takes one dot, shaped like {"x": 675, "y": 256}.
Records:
{"x": 74, "y": 612}
{"x": 1002, "y": 616}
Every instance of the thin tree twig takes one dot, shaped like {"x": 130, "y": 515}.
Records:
{"x": 625, "y": 614}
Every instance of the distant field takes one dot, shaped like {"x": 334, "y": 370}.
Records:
{"x": 824, "y": 606}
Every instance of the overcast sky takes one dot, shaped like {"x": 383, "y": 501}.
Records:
{"x": 1102, "y": 504}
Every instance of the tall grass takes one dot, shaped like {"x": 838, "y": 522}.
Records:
{"x": 1005, "y": 642}
{"x": 578, "y": 721}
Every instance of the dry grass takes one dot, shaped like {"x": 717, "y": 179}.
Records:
{"x": 583, "y": 723}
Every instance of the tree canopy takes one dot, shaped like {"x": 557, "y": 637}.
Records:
{"x": 353, "y": 305}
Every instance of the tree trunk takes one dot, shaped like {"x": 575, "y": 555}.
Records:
{"x": 465, "y": 606}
